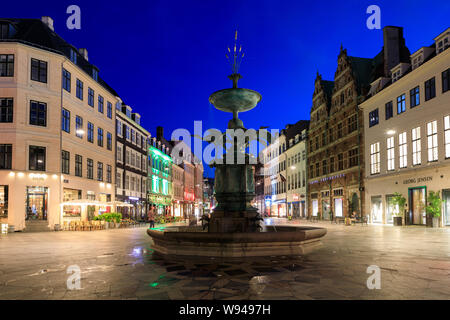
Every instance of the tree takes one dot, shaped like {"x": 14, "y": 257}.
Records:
{"x": 399, "y": 201}
{"x": 434, "y": 206}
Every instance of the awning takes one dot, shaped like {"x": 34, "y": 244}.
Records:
{"x": 86, "y": 202}
{"x": 120, "y": 204}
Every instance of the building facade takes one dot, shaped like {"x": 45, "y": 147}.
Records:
{"x": 178, "y": 190}
{"x": 296, "y": 137}
{"x": 336, "y": 136}
{"x": 407, "y": 136}
{"x": 131, "y": 164}
{"x": 275, "y": 198}
{"x": 57, "y": 128}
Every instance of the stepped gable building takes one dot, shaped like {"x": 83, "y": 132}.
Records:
{"x": 336, "y": 141}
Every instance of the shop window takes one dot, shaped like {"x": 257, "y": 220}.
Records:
{"x": 4, "y": 201}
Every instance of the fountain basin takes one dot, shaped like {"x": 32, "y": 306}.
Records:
{"x": 276, "y": 241}
{"x": 235, "y": 99}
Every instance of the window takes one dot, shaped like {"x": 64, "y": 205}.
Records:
{"x": 6, "y": 65}
{"x": 445, "y": 80}
{"x": 38, "y": 70}
{"x": 95, "y": 74}
{"x": 36, "y": 158}
{"x": 373, "y": 118}
{"x": 375, "y": 158}
{"x": 324, "y": 169}
{"x": 90, "y": 136}
{"x": 109, "y": 110}
{"x": 432, "y": 141}
{"x": 402, "y": 150}
{"x": 73, "y": 56}
{"x": 416, "y": 147}
{"x": 414, "y": 97}
{"x": 430, "y": 89}
{"x": 119, "y": 128}
{"x": 390, "y": 153}
{"x": 127, "y": 132}
{"x": 118, "y": 180}
{"x": 133, "y": 136}
{"x": 66, "y": 80}
{"x": 447, "y": 136}
{"x": 100, "y": 137}
{"x": 340, "y": 161}
{"x": 79, "y": 127}
{"x": 90, "y": 97}
{"x": 99, "y": 171}
{"x": 119, "y": 153}
{"x": 339, "y": 130}
{"x": 79, "y": 89}
{"x": 65, "y": 162}
{"x": 65, "y": 121}
{"x": 353, "y": 157}
{"x": 331, "y": 164}
{"x": 389, "y": 112}
{"x": 38, "y": 113}
{"x": 90, "y": 169}
{"x": 109, "y": 141}
{"x": 78, "y": 165}
{"x": 5, "y": 156}
{"x": 317, "y": 169}
{"x": 108, "y": 173}
{"x": 100, "y": 104}
{"x": 352, "y": 123}
{"x": 6, "y": 110}
{"x": 401, "y": 104}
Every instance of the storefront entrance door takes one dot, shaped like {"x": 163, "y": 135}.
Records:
{"x": 417, "y": 200}
{"x": 446, "y": 198}
{"x": 36, "y": 203}
{"x": 326, "y": 209}
{"x": 377, "y": 210}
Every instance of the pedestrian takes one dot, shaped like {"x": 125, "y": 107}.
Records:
{"x": 151, "y": 216}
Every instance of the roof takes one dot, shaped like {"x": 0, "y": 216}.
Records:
{"x": 296, "y": 128}
{"x": 36, "y": 33}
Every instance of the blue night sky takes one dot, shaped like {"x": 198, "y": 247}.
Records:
{"x": 164, "y": 58}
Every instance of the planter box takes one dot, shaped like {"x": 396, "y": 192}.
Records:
{"x": 435, "y": 222}
{"x": 398, "y": 221}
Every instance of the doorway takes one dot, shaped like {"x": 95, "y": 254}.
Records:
{"x": 417, "y": 203}
{"x": 36, "y": 208}
{"x": 446, "y": 199}
{"x": 377, "y": 210}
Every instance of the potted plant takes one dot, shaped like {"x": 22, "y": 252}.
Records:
{"x": 399, "y": 202}
{"x": 434, "y": 208}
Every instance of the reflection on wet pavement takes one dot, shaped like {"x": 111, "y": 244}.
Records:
{"x": 120, "y": 264}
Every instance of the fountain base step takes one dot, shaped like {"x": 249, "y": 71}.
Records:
{"x": 284, "y": 241}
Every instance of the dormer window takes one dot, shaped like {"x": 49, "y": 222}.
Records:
{"x": 73, "y": 56}
{"x": 442, "y": 41}
{"x": 7, "y": 31}
{"x": 95, "y": 74}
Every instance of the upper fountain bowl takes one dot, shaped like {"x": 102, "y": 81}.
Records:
{"x": 235, "y": 99}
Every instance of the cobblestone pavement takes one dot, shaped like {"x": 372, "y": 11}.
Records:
{"x": 119, "y": 264}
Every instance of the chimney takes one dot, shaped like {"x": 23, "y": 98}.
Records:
{"x": 48, "y": 22}
{"x": 159, "y": 133}
{"x": 84, "y": 53}
{"x": 394, "y": 48}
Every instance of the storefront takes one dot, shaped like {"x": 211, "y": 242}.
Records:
{"x": 36, "y": 203}
{"x": 414, "y": 186}
{"x": 3, "y": 203}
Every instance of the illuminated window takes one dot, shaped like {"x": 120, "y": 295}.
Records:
{"x": 402, "y": 150}
{"x": 447, "y": 136}
{"x": 375, "y": 158}
{"x": 432, "y": 140}
{"x": 416, "y": 147}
